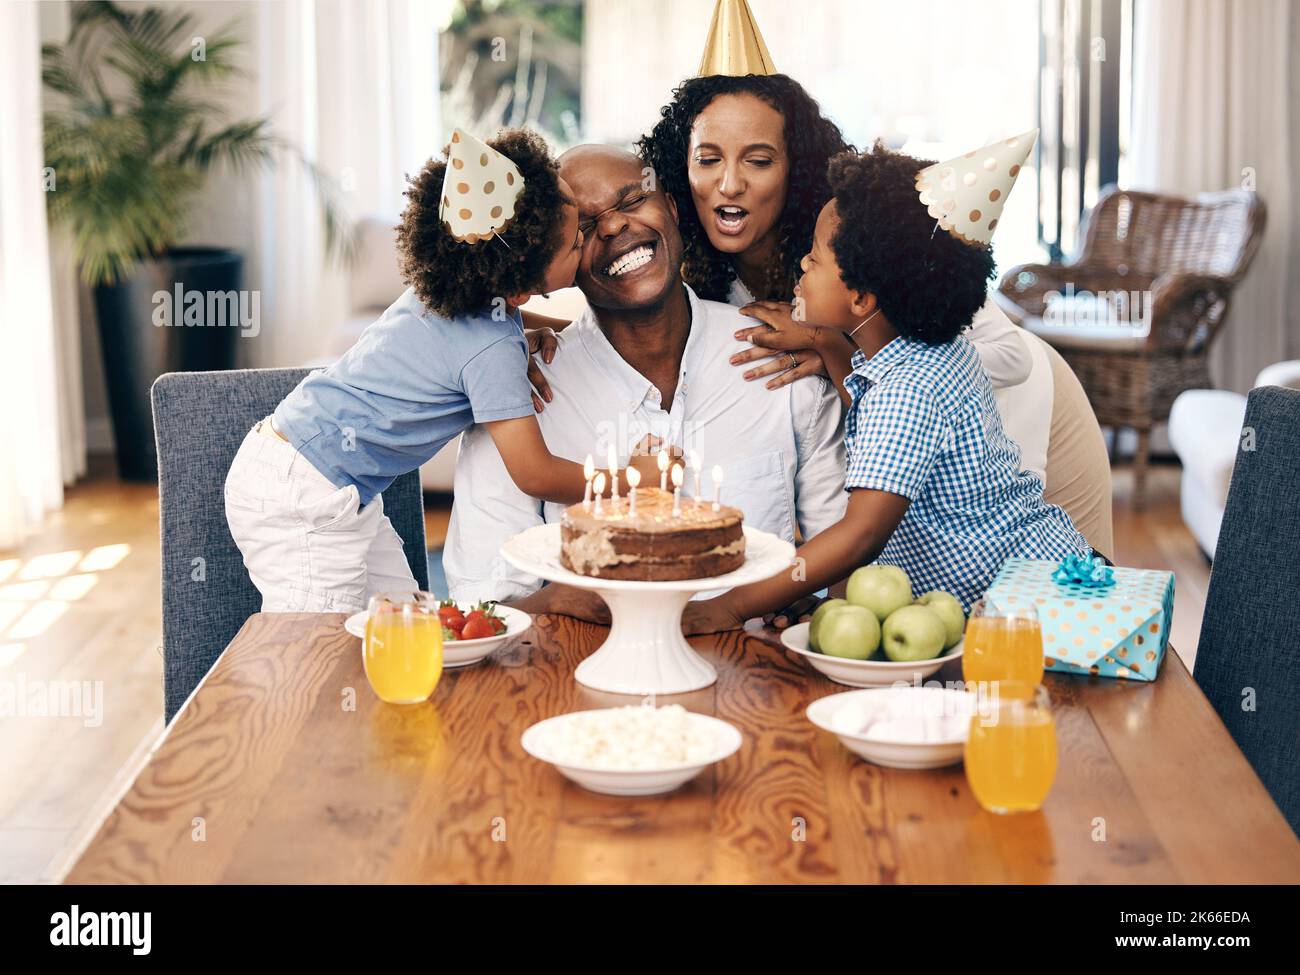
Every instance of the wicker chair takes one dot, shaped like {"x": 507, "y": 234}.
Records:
{"x": 1181, "y": 258}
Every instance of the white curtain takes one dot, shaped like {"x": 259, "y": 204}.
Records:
{"x": 1213, "y": 106}
{"x": 31, "y": 460}
{"x": 355, "y": 85}
{"x": 69, "y": 299}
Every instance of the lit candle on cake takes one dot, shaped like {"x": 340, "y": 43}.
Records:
{"x": 633, "y": 479}
{"x": 717, "y": 487}
{"x": 678, "y": 477}
{"x": 696, "y": 464}
{"x": 588, "y": 469}
{"x": 599, "y": 489}
{"x": 613, "y": 474}
{"x": 663, "y": 470}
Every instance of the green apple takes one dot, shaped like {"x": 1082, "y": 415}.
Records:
{"x": 900, "y": 573}
{"x": 818, "y": 615}
{"x": 849, "y": 631}
{"x": 947, "y": 607}
{"x": 879, "y": 588}
{"x": 913, "y": 633}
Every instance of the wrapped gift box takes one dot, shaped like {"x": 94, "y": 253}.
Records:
{"x": 1116, "y": 631}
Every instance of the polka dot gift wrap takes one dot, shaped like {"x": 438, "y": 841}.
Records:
{"x": 1117, "y": 631}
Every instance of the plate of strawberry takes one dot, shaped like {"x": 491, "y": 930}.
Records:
{"x": 469, "y": 634}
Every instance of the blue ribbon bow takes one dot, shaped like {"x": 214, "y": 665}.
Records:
{"x": 1079, "y": 570}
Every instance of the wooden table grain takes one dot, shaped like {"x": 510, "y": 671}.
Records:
{"x": 284, "y": 767}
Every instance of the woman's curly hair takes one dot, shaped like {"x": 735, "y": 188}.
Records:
{"x": 810, "y": 139}
{"x": 929, "y": 284}
{"x": 454, "y": 278}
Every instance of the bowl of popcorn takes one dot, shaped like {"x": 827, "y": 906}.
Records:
{"x": 902, "y": 727}
{"x": 638, "y": 750}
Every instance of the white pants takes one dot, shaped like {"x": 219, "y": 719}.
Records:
{"x": 309, "y": 546}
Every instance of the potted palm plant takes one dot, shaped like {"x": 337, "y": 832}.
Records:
{"x": 130, "y": 141}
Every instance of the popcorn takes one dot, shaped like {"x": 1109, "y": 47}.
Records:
{"x": 632, "y": 737}
{"x": 904, "y": 717}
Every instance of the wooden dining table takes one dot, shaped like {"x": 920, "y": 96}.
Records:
{"x": 285, "y": 767}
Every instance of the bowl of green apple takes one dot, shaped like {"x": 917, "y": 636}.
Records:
{"x": 880, "y": 633}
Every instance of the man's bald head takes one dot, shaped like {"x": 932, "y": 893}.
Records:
{"x": 622, "y": 212}
{"x": 594, "y": 151}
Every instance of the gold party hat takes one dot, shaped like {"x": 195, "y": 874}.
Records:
{"x": 735, "y": 47}
{"x": 966, "y": 195}
{"x": 479, "y": 189}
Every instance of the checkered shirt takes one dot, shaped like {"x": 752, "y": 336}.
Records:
{"x": 923, "y": 424}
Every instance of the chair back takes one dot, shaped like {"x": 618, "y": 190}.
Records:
{"x": 1248, "y": 661}
{"x": 200, "y": 419}
{"x": 1150, "y": 234}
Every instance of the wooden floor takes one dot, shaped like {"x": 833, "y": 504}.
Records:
{"x": 79, "y": 601}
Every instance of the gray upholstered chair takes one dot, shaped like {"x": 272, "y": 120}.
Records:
{"x": 200, "y": 419}
{"x": 1248, "y": 661}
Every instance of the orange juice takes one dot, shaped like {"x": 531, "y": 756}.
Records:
{"x": 1002, "y": 648}
{"x": 1011, "y": 758}
{"x": 402, "y": 655}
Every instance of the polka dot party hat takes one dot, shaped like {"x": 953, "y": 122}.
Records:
{"x": 479, "y": 189}
{"x": 966, "y": 194}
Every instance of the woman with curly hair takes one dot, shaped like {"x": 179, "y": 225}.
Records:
{"x": 745, "y": 159}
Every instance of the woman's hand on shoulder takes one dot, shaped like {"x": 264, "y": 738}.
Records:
{"x": 793, "y": 342}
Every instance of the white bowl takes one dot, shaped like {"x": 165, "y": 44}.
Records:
{"x": 630, "y": 782}
{"x": 939, "y": 716}
{"x": 460, "y": 653}
{"x": 864, "y": 673}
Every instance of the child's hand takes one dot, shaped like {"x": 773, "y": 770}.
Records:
{"x": 709, "y": 616}
{"x": 645, "y": 458}
{"x": 561, "y": 600}
{"x": 795, "y": 341}
{"x": 800, "y": 611}
{"x": 544, "y": 342}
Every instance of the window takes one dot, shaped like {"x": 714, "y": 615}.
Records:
{"x": 513, "y": 62}
{"x": 1084, "y": 95}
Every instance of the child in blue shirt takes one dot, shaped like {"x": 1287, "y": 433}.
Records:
{"x": 935, "y": 485}
{"x": 483, "y": 231}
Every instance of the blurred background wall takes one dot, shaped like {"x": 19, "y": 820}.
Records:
{"x": 1206, "y": 96}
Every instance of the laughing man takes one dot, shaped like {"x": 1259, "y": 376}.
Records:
{"x": 647, "y": 357}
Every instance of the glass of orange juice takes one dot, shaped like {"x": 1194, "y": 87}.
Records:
{"x": 402, "y": 650}
{"x": 1011, "y": 748}
{"x": 1002, "y": 644}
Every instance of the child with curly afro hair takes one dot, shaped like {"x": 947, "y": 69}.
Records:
{"x": 935, "y": 486}
{"x": 484, "y": 230}
{"x": 929, "y": 284}
{"x": 531, "y": 256}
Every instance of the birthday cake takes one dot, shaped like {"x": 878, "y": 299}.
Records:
{"x": 654, "y": 546}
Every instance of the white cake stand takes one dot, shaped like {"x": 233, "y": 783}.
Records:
{"x": 645, "y": 652}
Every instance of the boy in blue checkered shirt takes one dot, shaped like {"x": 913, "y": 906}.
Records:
{"x": 935, "y": 485}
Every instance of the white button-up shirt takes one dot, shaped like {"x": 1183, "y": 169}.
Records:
{"x": 782, "y": 452}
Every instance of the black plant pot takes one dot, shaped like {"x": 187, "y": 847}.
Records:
{"x": 145, "y": 332}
